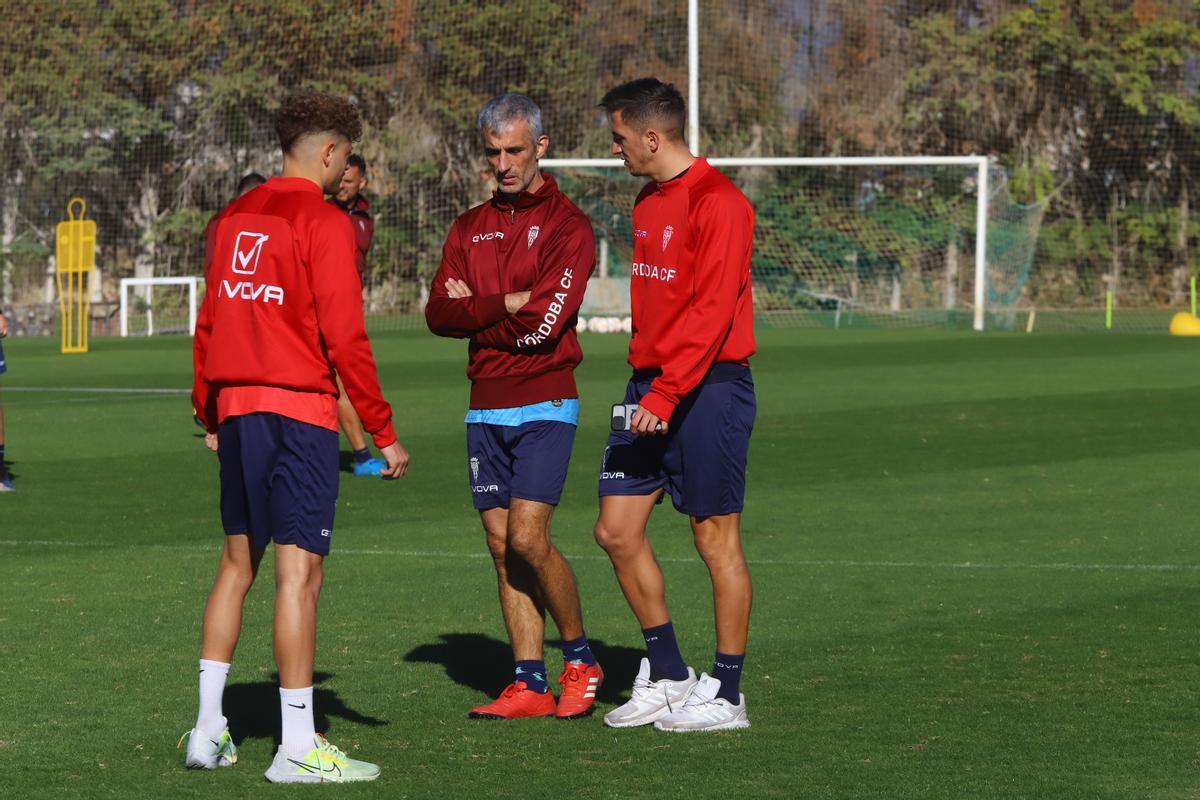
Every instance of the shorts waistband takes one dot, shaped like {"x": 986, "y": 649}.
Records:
{"x": 721, "y": 372}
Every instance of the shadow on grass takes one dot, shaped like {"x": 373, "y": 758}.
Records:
{"x": 253, "y": 709}
{"x": 484, "y": 664}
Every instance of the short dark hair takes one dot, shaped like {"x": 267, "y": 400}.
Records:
{"x": 316, "y": 112}
{"x": 249, "y": 181}
{"x": 645, "y": 101}
{"x": 355, "y": 160}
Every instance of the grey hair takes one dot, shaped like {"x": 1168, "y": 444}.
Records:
{"x": 505, "y": 109}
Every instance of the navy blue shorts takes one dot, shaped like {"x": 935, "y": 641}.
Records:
{"x": 279, "y": 481}
{"x": 527, "y": 461}
{"x": 701, "y": 461}
{"x": 3, "y": 363}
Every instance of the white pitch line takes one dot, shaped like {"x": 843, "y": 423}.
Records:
{"x": 95, "y": 390}
{"x": 839, "y": 563}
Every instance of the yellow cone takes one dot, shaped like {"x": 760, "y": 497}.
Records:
{"x": 1185, "y": 324}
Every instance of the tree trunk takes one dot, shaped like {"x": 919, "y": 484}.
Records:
{"x": 950, "y": 290}
{"x": 144, "y": 214}
{"x": 1114, "y": 277}
{"x": 8, "y": 234}
{"x": 1182, "y": 271}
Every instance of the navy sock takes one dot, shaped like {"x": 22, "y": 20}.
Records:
{"x": 362, "y": 455}
{"x": 578, "y": 651}
{"x": 534, "y": 675}
{"x": 663, "y": 652}
{"x": 728, "y": 670}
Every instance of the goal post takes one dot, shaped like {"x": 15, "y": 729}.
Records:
{"x": 171, "y": 309}
{"x": 935, "y": 208}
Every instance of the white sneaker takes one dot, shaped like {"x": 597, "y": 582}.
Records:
{"x": 704, "y": 711}
{"x": 204, "y": 753}
{"x": 324, "y": 763}
{"x": 651, "y": 699}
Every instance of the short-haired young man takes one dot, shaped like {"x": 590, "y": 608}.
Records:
{"x": 6, "y": 484}
{"x": 348, "y": 198}
{"x": 513, "y": 274}
{"x": 282, "y": 312}
{"x": 692, "y": 339}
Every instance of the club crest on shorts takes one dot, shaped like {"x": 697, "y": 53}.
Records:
{"x": 667, "y": 233}
{"x": 475, "y": 470}
{"x": 533, "y": 234}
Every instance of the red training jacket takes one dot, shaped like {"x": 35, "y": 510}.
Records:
{"x": 538, "y": 242}
{"x": 364, "y": 229}
{"x": 690, "y": 282}
{"x": 281, "y": 312}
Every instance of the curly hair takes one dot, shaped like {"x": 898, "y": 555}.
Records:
{"x": 316, "y": 112}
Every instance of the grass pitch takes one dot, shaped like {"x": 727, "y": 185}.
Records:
{"x": 974, "y": 560}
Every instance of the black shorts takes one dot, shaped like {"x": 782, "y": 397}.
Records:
{"x": 279, "y": 481}
{"x": 701, "y": 461}
{"x": 527, "y": 461}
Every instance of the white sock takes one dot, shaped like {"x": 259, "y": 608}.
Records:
{"x": 210, "y": 721}
{"x": 295, "y": 706}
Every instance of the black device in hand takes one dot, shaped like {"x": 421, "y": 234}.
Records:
{"x": 622, "y": 415}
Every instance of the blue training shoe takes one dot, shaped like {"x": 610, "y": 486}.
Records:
{"x": 369, "y": 468}
{"x": 6, "y": 484}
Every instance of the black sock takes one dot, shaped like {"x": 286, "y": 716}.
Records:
{"x": 362, "y": 455}
{"x": 663, "y": 653}
{"x": 534, "y": 675}
{"x": 578, "y": 651}
{"x": 728, "y": 670}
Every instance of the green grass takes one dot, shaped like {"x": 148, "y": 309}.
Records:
{"x": 974, "y": 559}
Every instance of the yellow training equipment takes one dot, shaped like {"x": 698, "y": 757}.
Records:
{"x": 1184, "y": 324}
{"x": 75, "y": 261}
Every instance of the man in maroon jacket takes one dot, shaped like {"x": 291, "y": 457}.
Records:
{"x": 693, "y": 335}
{"x": 282, "y": 312}
{"x": 513, "y": 274}
{"x": 350, "y": 200}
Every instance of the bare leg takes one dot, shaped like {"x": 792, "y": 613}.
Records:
{"x": 348, "y": 419}
{"x": 621, "y": 531}
{"x": 223, "y": 611}
{"x": 519, "y": 600}
{"x": 298, "y": 577}
{"x": 719, "y": 542}
{"x": 529, "y": 540}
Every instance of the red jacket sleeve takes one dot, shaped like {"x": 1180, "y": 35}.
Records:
{"x": 556, "y": 295}
{"x": 204, "y": 402}
{"x": 722, "y": 264}
{"x": 364, "y": 229}
{"x": 458, "y": 318}
{"x": 338, "y": 299}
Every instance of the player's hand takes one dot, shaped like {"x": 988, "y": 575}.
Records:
{"x": 210, "y": 441}
{"x": 397, "y": 461}
{"x": 643, "y": 423}
{"x": 3, "y": 326}
{"x": 513, "y": 301}
{"x": 457, "y": 289}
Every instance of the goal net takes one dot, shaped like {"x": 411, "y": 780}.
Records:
{"x": 853, "y": 242}
{"x": 156, "y": 306}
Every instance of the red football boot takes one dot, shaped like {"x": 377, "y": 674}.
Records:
{"x": 517, "y": 700}
{"x": 580, "y": 682}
